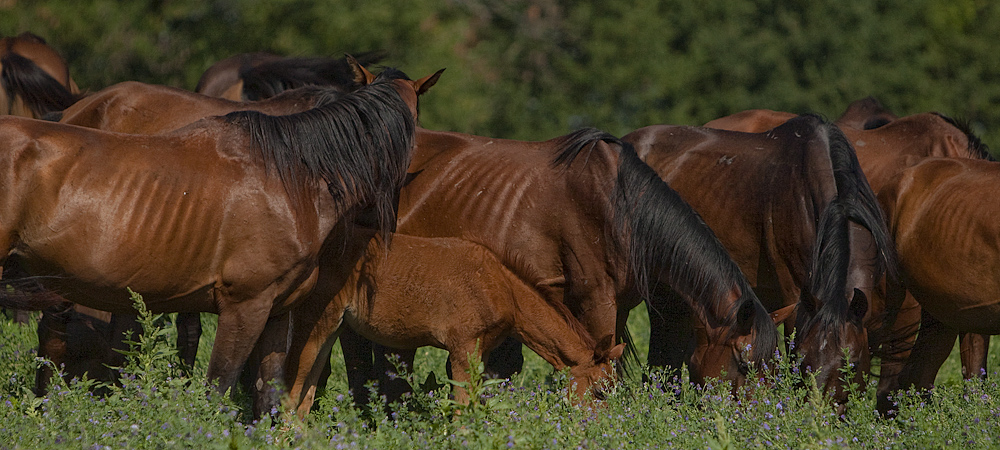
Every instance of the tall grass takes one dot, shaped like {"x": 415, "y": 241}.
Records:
{"x": 155, "y": 407}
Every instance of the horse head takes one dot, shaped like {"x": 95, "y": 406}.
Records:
{"x": 734, "y": 347}
{"x": 599, "y": 373}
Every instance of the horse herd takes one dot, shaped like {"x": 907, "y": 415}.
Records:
{"x": 293, "y": 196}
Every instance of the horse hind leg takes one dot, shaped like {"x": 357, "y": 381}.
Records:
{"x": 974, "y": 350}
{"x": 188, "y": 337}
{"x": 52, "y": 343}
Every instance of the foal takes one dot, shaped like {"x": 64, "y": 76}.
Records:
{"x": 444, "y": 292}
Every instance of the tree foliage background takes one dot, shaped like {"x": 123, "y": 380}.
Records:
{"x": 535, "y": 69}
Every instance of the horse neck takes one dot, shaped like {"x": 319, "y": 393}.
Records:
{"x": 549, "y": 329}
{"x": 666, "y": 240}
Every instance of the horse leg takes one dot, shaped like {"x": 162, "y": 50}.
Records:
{"x": 360, "y": 365}
{"x": 934, "y": 344}
{"x": 974, "y": 349}
{"x": 895, "y": 351}
{"x": 188, "y": 337}
{"x": 316, "y": 324}
{"x": 393, "y": 387}
{"x": 268, "y": 364}
{"x": 122, "y": 325}
{"x": 459, "y": 360}
{"x": 671, "y": 332}
{"x": 52, "y": 341}
{"x": 505, "y": 360}
{"x": 240, "y": 325}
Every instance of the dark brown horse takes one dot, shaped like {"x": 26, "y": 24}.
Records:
{"x": 168, "y": 215}
{"x": 260, "y": 75}
{"x": 444, "y": 292}
{"x": 34, "y": 79}
{"x": 883, "y": 152}
{"x": 765, "y": 195}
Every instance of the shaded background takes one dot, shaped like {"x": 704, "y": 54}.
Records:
{"x": 536, "y": 69}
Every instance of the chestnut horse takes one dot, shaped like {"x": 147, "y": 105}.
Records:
{"x": 947, "y": 239}
{"x": 444, "y": 292}
{"x": 883, "y": 152}
{"x": 167, "y": 215}
{"x": 764, "y": 195}
{"x": 34, "y": 79}
{"x": 261, "y": 75}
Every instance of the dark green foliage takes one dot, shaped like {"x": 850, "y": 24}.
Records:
{"x": 535, "y": 69}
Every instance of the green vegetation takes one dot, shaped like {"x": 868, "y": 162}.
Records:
{"x": 535, "y": 69}
{"x": 156, "y": 408}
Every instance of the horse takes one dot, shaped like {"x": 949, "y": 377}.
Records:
{"x": 883, "y": 152}
{"x": 34, "y": 79}
{"x": 140, "y": 108}
{"x": 445, "y": 292}
{"x": 167, "y": 215}
{"x": 261, "y": 75}
{"x": 946, "y": 237}
{"x": 764, "y": 196}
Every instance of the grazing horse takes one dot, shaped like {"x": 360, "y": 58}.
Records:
{"x": 883, "y": 152}
{"x": 34, "y": 79}
{"x": 445, "y": 292}
{"x": 227, "y": 215}
{"x": 764, "y": 195}
{"x": 260, "y": 75}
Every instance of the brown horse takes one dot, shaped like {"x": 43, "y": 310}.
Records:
{"x": 444, "y": 292}
{"x": 764, "y": 195}
{"x": 260, "y": 75}
{"x": 883, "y": 152}
{"x": 947, "y": 235}
{"x": 167, "y": 215}
{"x": 34, "y": 79}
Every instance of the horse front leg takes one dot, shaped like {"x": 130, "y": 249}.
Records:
{"x": 316, "y": 324}
{"x": 240, "y": 325}
{"x": 269, "y": 361}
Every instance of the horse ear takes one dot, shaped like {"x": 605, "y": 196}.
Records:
{"x": 859, "y": 306}
{"x": 616, "y": 352}
{"x": 361, "y": 75}
{"x": 779, "y": 316}
{"x": 425, "y": 83}
{"x": 603, "y": 349}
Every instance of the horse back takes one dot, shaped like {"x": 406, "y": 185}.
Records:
{"x": 158, "y": 214}
{"x": 751, "y": 121}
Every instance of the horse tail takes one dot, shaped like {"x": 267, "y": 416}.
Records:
{"x": 27, "y": 294}
{"x": 42, "y": 93}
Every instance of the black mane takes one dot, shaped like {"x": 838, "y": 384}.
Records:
{"x": 273, "y": 77}
{"x": 359, "y": 145}
{"x": 659, "y": 233}
{"x": 21, "y": 77}
{"x": 828, "y": 272}
{"x": 977, "y": 147}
